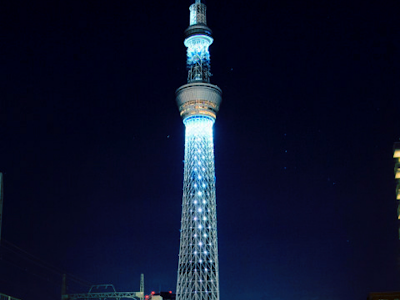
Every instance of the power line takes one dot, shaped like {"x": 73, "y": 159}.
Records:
{"x": 39, "y": 262}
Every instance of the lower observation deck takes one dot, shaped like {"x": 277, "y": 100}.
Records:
{"x": 198, "y": 99}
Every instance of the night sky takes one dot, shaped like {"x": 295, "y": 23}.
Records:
{"x": 92, "y": 144}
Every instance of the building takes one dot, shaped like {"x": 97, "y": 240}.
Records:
{"x": 161, "y": 296}
{"x": 384, "y": 296}
{"x": 396, "y": 156}
{"x": 198, "y": 103}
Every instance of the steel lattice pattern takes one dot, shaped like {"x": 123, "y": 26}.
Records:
{"x": 198, "y": 256}
{"x": 198, "y": 59}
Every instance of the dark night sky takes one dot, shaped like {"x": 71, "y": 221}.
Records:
{"x": 91, "y": 145}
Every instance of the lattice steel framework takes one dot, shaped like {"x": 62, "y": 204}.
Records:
{"x": 198, "y": 259}
{"x": 6, "y": 297}
{"x": 108, "y": 292}
{"x": 198, "y": 102}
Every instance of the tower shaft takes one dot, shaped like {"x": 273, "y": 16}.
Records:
{"x": 198, "y": 257}
{"x": 198, "y": 102}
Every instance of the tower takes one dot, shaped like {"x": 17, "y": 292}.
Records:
{"x": 198, "y": 103}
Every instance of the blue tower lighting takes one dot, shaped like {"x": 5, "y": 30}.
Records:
{"x": 198, "y": 102}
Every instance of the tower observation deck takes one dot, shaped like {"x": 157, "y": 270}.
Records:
{"x": 198, "y": 102}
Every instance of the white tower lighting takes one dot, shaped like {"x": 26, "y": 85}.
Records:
{"x": 198, "y": 103}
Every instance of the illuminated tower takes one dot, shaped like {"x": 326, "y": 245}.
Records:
{"x": 198, "y": 103}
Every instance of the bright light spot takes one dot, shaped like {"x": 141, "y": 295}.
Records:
{"x": 200, "y": 244}
{"x": 200, "y": 227}
{"x": 204, "y": 218}
{"x": 199, "y": 126}
{"x": 199, "y": 193}
{"x": 199, "y": 210}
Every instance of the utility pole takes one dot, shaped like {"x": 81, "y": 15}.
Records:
{"x": 64, "y": 287}
{"x": 141, "y": 286}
